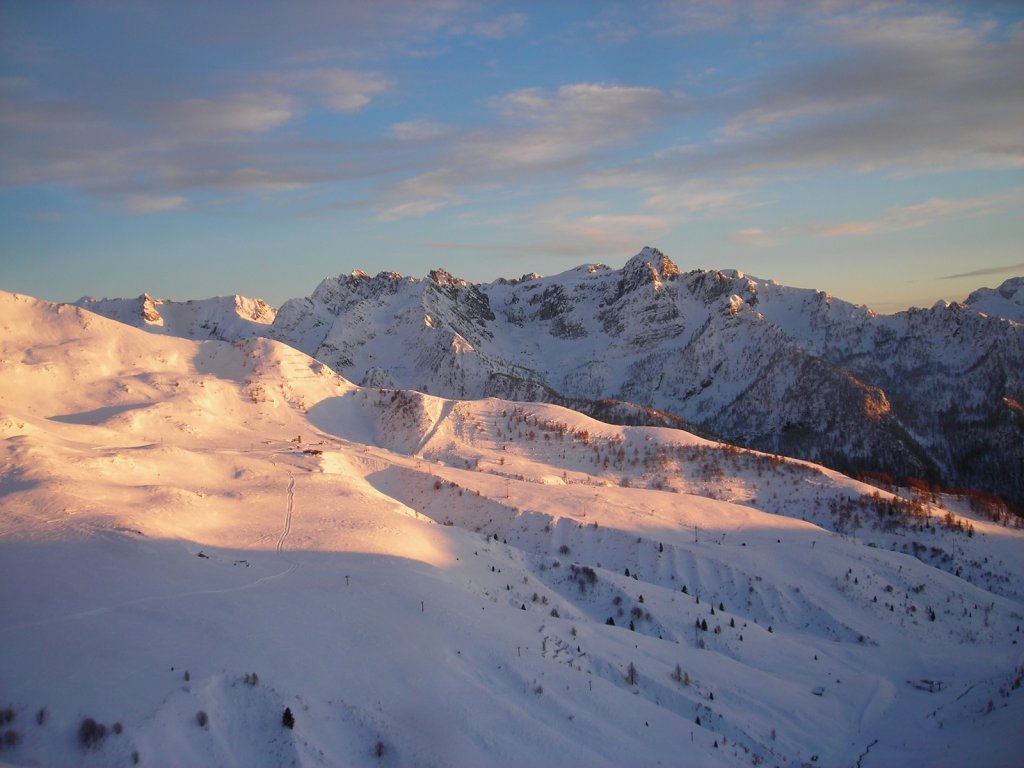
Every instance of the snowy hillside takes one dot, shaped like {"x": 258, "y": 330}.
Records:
{"x": 197, "y": 535}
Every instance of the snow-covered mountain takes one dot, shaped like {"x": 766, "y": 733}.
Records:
{"x": 227, "y": 318}
{"x": 195, "y": 536}
{"x": 1005, "y": 301}
{"x": 930, "y": 393}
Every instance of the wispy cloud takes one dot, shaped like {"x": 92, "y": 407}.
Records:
{"x": 501, "y": 27}
{"x": 894, "y": 219}
{"x": 419, "y": 130}
{"x": 569, "y": 227}
{"x": 340, "y": 90}
{"x": 900, "y": 218}
{"x": 237, "y": 113}
{"x": 986, "y": 271}
{"x": 888, "y": 89}
{"x": 154, "y": 203}
{"x": 569, "y": 124}
{"x": 418, "y": 196}
{"x": 539, "y": 134}
{"x": 754, "y": 237}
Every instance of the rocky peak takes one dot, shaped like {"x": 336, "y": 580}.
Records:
{"x": 650, "y": 267}
{"x": 150, "y": 314}
{"x": 651, "y": 261}
{"x": 444, "y": 278}
{"x": 467, "y": 301}
{"x": 254, "y": 309}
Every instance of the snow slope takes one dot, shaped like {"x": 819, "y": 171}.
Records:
{"x": 425, "y": 581}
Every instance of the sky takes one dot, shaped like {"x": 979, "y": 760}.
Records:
{"x": 873, "y": 150}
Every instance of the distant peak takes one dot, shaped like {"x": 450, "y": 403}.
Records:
{"x": 651, "y": 259}
{"x": 649, "y": 267}
{"x": 445, "y": 278}
{"x": 358, "y": 274}
{"x": 1013, "y": 289}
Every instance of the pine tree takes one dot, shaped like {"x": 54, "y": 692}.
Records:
{"x": 288, "y": 719}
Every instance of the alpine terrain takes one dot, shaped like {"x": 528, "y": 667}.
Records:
{"x": 934, "y": 394}
{"x": 219, "y": 550}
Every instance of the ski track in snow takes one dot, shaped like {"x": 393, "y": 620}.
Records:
{"x": 288, "y": 516}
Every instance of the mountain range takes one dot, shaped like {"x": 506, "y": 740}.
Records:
{"x": 934, "y": 394}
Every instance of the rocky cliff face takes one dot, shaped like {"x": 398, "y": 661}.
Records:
{"x": 931, "y": 393}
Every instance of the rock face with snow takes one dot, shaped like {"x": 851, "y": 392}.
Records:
{"x": 224, "y": 318}
{"x": 930, "y": 393}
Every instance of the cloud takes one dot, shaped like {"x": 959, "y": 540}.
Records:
{"x": 874, "y": 88}
{"x": 847, "y": 228}
{"x": 501, "y": 27}
{"x": 894, "y": 219}
{"x": 340, "y": 90}
{"x": 986, "y": 271}
{"x": 238, "y": 113}
{"x": 539, "y": 134}
{"x": 418, "y": 130}
{"x": 918, "y": 92}
{"x": 567, "y": 226}
{"x": 418, "y": 196}
{"x": 900, "y": 218}
{"x": 606, "y": 233}
{"x": 754, "y": 237}
{"x": 545, "y": 129}
{"x": 154, "y": 203}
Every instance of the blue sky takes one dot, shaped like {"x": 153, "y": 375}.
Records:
{"x": 189, "y": 149}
